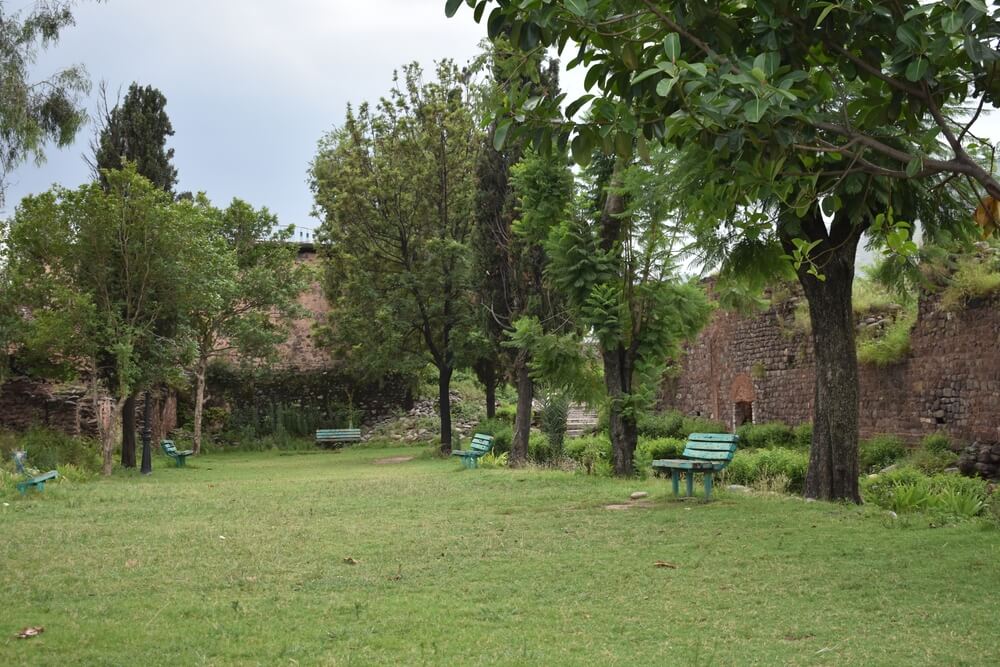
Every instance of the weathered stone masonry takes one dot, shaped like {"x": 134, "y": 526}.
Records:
{"x": 762, "y": 368}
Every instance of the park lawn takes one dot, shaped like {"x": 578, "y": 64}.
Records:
{"x": 239, "y": 559}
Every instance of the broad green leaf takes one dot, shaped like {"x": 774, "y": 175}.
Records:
{"x": 754, "y": 109}
{"x": 978, "y": 5}
{"x": 664, "y": 87}
{"x": 672, "y": 46}
{"x": 914, "y": 166}
{"x": 823, "y": 14}
{"x": 916, "y": 69}
{"x": 646, "y": 74}
{"x": 500, "y": 136}
{"x": 578, "y": 7}
{"x": 908, "y": 35}
{"x": 952, "y": 22}
{"x": 451, "y": 6}
{"x": 577, "y": 104}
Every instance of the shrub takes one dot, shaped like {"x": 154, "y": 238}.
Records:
{"x": 880, "y": 451}
{"x": 506, "y": 413}
{"x": 804, "y": 436}
{"x": 759, "y": 436}
{"x": 501, "y": 431}
{"x": 660, "y": 425}
{"x": 494, "y": 460}
{"x": 936, "y": 442}
{"x": 774, "y": 469}
{"x": 589, "y": 451}
{"x": 540, "y": 449}
{"x": 553, "y": 418}
{"x": 48, "y": 449}
{"x": 701, "y": 425}
{"x": 891, "y": 346}
{"x": 648, "y": 450}
{"x": 973, "y": 279}
{"x": 933, "y": 461}
{"x": 907, "y": 490}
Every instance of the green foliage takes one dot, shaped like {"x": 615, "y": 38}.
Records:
{"x": 909, "y": 490}
{"x": 48, "y": 448}
{"x": 803, "y": 435}
{"x": 34, "y": 113}
{"x": 934, "y": 454}
{"x": 772, "y": 434}
{"x": 540, "y": 449}
{"x": 500, "y": 429}
{"x": 507, "y": 413}
{"x": 974, "y": 279}
{"x": 774, "y": 469}
{"x": 555, "y": 410}
{"x": 136, "y": 130}
{"x": 494, "y": 459}
{"x": 673, "y": 424}
{"x": 937, "y": 442}
{"x": 649, "y": 450}
{"x": 880, "y": 451}
{"x": 872, "y": 295}
{"x": 890, "y": 346}
{"x": 592, "y": 452}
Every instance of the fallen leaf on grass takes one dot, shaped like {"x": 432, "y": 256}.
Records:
{"x": 31, "y": 631}
{"x": 351, "y": 561}
{"x": 130, "y": 563}
{"x": 663, "y": 563}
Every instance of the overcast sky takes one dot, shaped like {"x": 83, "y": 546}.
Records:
{"x": 251, "y": 85}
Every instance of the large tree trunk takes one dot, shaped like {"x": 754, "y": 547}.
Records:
{"x": 491, "y": 396}
{"x": 833, "y": 458}
{"x": 128, "y": 433}
{"x": 444, "y": 408}
{"x": 199, "y": 403}
{"x": 522, "y": 418}
{"x": 622, "y": 429}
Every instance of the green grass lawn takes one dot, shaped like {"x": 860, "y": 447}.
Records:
{"x": 240, "y": 559}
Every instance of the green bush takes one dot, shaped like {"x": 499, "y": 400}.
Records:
{"x": 891, "y": 346}
{"x": 907, "y": 489}
{"x": 506, "y": 413}
{"x": 501, "y": 431}
{"x": 553, "y": 419}
{"x": 660, "y": 425}
{"x": 772, "y": 434}
{"x": 649, "y": 450}
{"x": 936, "y": 442}
{"x": 932, "y": 461}
{"x": 765, "y": 466}
{"x": 804, "y": 436}
{"x": 880, "y": 451}
{"x": 540, "y": 449}
{"x": 593, "y": 452}
{"x": 701, "y": 425}
{"x": 48, "y": 449}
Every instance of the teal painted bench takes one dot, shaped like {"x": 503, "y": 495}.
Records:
{"x": 336, "y": 437}
{"x": 36, "y": 481}
{"x": 481, "y": 444}
{"x": 180, "y": 456}
{"x": 707, "y": 453}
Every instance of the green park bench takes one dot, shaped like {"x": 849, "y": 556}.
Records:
{"x": 36, "y": 481}
{"x": 481, "y": 444}
{"x": 336, "y": 437}
{"x": 707, "y": 453}
{"x": 180, "y": 456}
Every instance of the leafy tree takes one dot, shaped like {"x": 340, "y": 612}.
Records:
{"x": 136, "y": 130}
{"x": 33, "y": 113}
{"x": 395, "y": 186}
{"x": 789, "y": 105}
{"x": 614, "y": 264}
{"x": 100, "y": 272}
{"x": 246, "y": 292}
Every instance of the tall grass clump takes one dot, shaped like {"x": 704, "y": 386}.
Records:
{"x": 892, "y": 345}
{"x": 771, "y": 434}
{"x": 775, "y": 469}
{"x": 973, "y": 279}
{"x": 48, "y": 448}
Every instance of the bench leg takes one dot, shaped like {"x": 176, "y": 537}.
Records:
{"x": 689, "y": 478}
{"x": 23, "y": 488}
{"x": 675, "y": 480}
{"x": 41, "y": 487}
{"x": 708, "y": 486}
{"x": 475, "y": 462}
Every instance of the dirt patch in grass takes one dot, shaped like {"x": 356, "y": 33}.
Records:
{"x": 629, "y": 505}
{"x": 393, "y": 459}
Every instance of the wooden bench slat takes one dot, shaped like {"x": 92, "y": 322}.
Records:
{"x": 714, "y": 437}
{"x": 708, "y": 456}
{"x": 712, "y": 446}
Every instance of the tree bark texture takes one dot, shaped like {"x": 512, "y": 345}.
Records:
{"x": 622, "y": 429}
{"x": 128, "y": 432}
{"x": 522, "y": 418}
{"x": 199, "y": 404}
{"x": 833, "y": 457}
{"x": 444, "y": 408}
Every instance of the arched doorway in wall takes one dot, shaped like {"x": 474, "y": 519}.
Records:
{"x": 742, "y": 397}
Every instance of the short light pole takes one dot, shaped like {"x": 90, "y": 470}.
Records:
{"x": 147, "y": 454}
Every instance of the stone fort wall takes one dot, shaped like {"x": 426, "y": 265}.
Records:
{"x": 950, "y": 380}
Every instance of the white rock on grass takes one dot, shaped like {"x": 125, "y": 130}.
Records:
{"x": 638, "y": 494}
